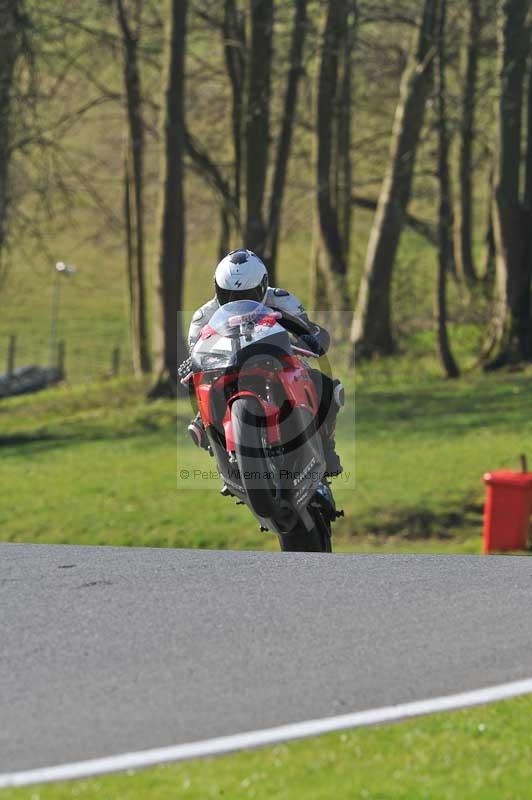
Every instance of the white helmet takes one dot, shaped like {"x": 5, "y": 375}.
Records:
{"x": 241, "y": 275}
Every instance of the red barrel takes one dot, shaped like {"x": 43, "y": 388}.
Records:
{"x": 507, "y": 510}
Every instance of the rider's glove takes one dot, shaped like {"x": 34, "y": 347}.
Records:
{"x": 311, "y": 343}
{"x": 184, "y": 368}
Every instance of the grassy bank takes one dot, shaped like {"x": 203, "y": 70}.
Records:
{"x": 484, "y": 753}
{"x": 97, "y": 465}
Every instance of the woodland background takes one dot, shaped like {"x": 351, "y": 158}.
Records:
{"x": 377, "y": 154}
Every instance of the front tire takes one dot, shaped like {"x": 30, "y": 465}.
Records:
{"x": 317, "y": 540}
{"x": 248, "y": 423}
{"x": 247, "y": 418}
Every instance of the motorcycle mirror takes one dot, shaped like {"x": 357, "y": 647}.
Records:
{"x": 240, "y": 319}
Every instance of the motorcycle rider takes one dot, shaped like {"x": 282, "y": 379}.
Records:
{"x": 242, "y": 275}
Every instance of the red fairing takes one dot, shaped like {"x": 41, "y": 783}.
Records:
{"x": 203, "y": 392}
{"x": 268, "y": 321}
{"x": 206, "y": 332}
{"x": 271, "y": 413}
{"x": 297, "y": 385}
{"x": 228, "y": 432}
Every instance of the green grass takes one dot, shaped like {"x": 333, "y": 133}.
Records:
{"x": 483, "y": 753}
{"x": 97, "y": 465}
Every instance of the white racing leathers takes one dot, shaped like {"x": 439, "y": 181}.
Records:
{"x": 329, "y": 391}
{"x": 278, "y": 299}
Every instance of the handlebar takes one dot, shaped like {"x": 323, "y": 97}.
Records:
{"x": 302, "y": 352}
{"x": 293, "y": 324}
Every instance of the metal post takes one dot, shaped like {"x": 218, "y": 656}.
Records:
{"x": 61, "y": 348}
{"x": 115, "y": 362}
{"x": 11, "y": 355}
{"x": 55, "y": 311}
{"x": 60, "y": 269}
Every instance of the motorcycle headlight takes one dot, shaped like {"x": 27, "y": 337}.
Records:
{"x": 214, "y": 361}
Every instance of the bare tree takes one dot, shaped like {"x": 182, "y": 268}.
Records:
{"x": 234, "y": 40}
{"x": 244, "y": 206}
{"x": 295, "y": 68}
{"x": 343, "y": 177}
{"x": 169, "y": 339}
{"x": 234, "y": 44}
{"x": 371, "y": 331}
{"x": 330, "y": 287}
{"x": 445, "y": 224}
{"x": 257, "y": 127}
{"x": 10, "y": 20}
{"x": 528, "y": 154}
{"x": 527, "y": 217}
{"x": 488, "y": 257}
{"x": 213, "y": 176}
{"x": 130, "y": 25}
{"x": 464, "y": 221}
{"x": 422, "y": 227}
{"x": 511, "y": 316}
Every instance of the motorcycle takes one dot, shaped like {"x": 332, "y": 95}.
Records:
{"x": 261, "y": 413}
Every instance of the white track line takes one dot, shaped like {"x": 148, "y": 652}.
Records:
{"x": 260, "y": 738}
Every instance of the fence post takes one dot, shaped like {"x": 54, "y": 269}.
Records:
{"x": 115, "y": 362}
{"x": 61, "y": 350}
{"x": 11, "y": 355}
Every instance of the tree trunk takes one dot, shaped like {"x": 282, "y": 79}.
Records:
{"x": 225, "y": 233}
{"x": 130, "y": 247}
{"x": 9, "y": 23}
{"x": 489, "y": 239}
{"x": 234, "y": 41}
{"x": 134, "y": 193}
{"x": 527, "y": 225}
{"x": 331, "y": 261}
{"x": 228, "y": 204}
{"x": 463, "y": 245}
{"x": 511, "y": 317}
{"x": 527, "y": 200}
{"x": 258, "y": 121}
{"x": 343, "y": 177}
{"x": 170, "y": 342}
{"x": 372, "y": 327}
{"x": 445, "y": 224}
{"x": 285, "y": 136}
{"x": 417, "y": 225}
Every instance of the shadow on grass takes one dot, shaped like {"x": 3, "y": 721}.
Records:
{"x": 445, "y": 410}
{"x": 449, "y": 409}
{"x": 78, "y": 432}
{"x": 417, "y": 523}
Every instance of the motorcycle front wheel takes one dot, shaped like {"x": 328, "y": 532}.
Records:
{"x": 248, "y": 422}
{"x": 247, "y": 418}
{"x": 317, "y": 540}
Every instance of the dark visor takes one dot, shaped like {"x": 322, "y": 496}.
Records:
{"x": 230, "y": 295}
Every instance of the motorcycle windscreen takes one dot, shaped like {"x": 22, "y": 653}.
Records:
{"x": 228, "y": 319}
{"x": 238, "y": 332}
